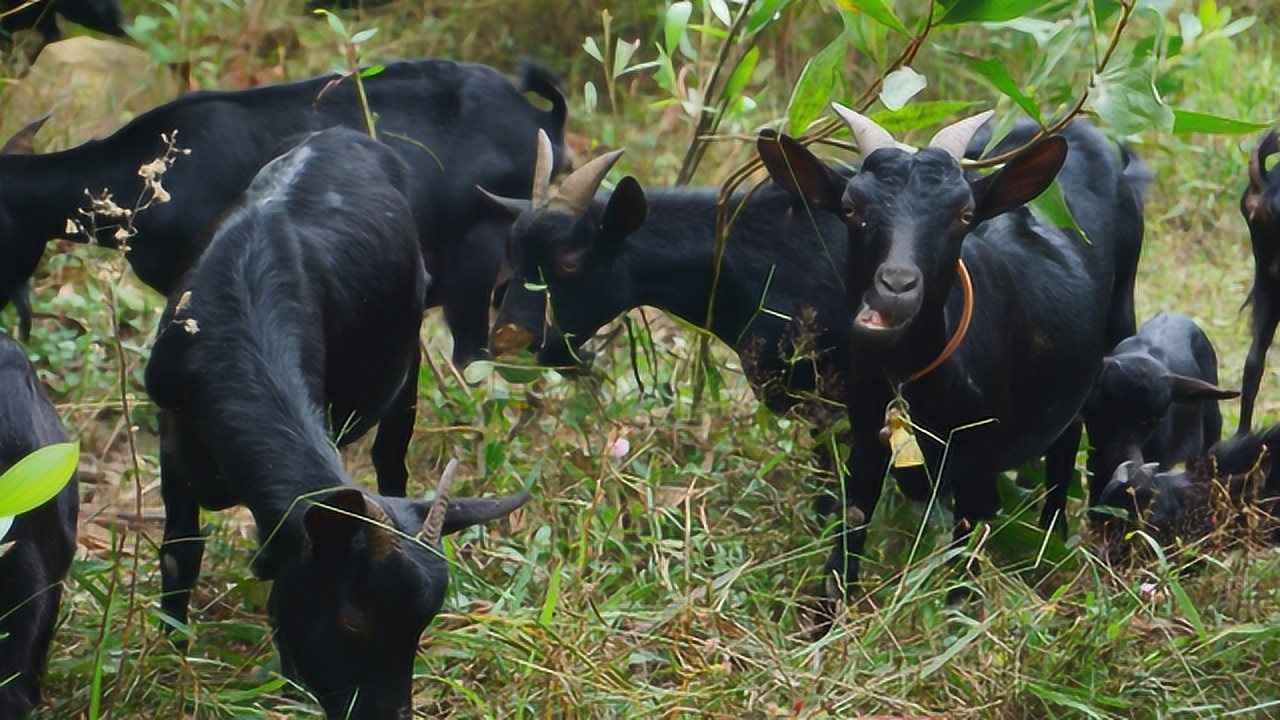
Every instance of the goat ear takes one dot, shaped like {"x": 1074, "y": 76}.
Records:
{"x": 798, "y": 171}
{"x": 511, "y": 207}
{"x": 1020, "y": 181}
{"x": 626, "y": 210}
{"x": 465, "y": 512}
{"x": 21, "y": 142}
{"x": 1193, "y": 389}
{"x": 333, "y": 520}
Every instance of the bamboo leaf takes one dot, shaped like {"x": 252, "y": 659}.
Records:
{"x": 816, "y": 85}
{"x": 879, "y": 10}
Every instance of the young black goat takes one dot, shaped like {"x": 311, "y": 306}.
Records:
{"x": 296, "y": 327}
{"x": 1260, "y": 206}
{"x": 779, "y": 299}
{"x": 1156, "y": 399}
{"x": 1188, "y": 504}
{"x": 968, "y": 311}
{"x": 455, "y": 125}
{"x": 104, "y": 16}
{"x": 43, "y": 540}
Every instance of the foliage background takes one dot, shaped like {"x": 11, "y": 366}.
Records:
{"x": 668, "y": 582}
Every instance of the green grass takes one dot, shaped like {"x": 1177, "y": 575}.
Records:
{"x": 671, "y": 582}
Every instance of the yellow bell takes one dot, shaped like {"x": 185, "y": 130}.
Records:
{"x": 906, "y": 451}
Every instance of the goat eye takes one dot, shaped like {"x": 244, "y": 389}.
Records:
{"x": 353, "y": 621}
{"x": 569, "y": 265}
{"x": 966, "y": 217}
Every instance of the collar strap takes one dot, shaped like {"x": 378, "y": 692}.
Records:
{"x": 966, "y": 286}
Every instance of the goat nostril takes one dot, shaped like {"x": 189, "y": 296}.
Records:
{"x": 510, "y": 338}
{"x": 898, "y": 281}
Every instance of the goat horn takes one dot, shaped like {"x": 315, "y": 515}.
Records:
{"x": 542, "y": 170}
{"x": 20, "y": 143}
{"x": 432, "y": 526}
{"x": 379, "y": 534}
{"x": 1267, "y": 147}
{"x": 866, "y": 133}
{"x": 577, "y": 190}
{"x": 955, "y": 138}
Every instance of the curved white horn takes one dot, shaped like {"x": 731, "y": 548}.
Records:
{"x": 955, "y": 138}
{"x": 869, "y": 136}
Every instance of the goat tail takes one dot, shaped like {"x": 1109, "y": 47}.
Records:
{"x": 537, "y": 79}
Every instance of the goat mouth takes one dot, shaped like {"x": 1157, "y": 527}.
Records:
{"x": 879, "y": 323}
{"x": 510, "y": 338}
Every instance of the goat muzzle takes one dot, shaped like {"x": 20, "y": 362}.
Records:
{"x": 510, "y": 338}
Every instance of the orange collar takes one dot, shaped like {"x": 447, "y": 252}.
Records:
{"x": 966, "y": 285}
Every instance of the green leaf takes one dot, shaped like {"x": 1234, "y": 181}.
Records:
{"x": 879, "y": 10}
{"x": 1187, "y": 606}
{"x": 900, "y": 86}
{"x": 476, "y": 372}
{"x": 593, "y": 49}
{"x": 1051, "y": 207}
{"x": 372, "y": 70}
{"x": 918, "y": 115}
{"x": 622, "y": 54}
{"x": 36, "y": 478}
{"x": 968, "y": 11}
{"x": 675, "y": 24}
{"x": 1189, "y": 121}
{"x": 335, "y": 22}
{"x": 816, "y": 85}
{"x": 763, "y": 13}
{"x": 363, "y": 35}
{"x": 549, "y": 603}
{"x": 742, "y": 74}
{"x": 997, "y": 73}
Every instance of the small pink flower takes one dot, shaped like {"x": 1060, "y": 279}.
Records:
{"x": 619, "y": 448}
{"x": 1147, "y": 590}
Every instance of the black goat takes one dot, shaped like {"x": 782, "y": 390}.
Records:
{"x": 1011, "y": 350}
{"x": 44, "y": 539}
{"x": 455, "y": 125}
{"x": 1260, "y": 206}
{"x": 1156, "y": 398}
{"x": 1188, "y": 504}
{"x": 779, "y": 294}
{"x": 104, "y": 16}
{"x": 296, "y": 327}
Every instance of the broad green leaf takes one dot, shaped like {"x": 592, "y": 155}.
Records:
{"x": 721, "y": 10}
{"x": 900, "y": 86}
{"x": 371, "y": 71}
{"x": 967, "y": 11}
{"x": 363, "y": 35}
{"x": 816, "y": 85}
{"x": 36, "y": 478}
{"x": 675, "y": 24}
{"x": 335, "y": 22}
{"x": 1189, "y": 27}
{"x": 1188, "y": 121}
{"x": 918, "y": 115}
{"x": 1051, "y": 207}
{"x": 742, "y": 74}
{"x": 879, "y": 10}
{"x": 1126, "y": 100}
{"x": 1187, "y": 606}
{"x": 997, "y": 73}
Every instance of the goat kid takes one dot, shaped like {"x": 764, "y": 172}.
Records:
{"x": 295, "y": 328}
{"x": 455, "y": 125}
{"x": 1260, "y": 206}
{"x": 1186, "y": 505}
{"x": 969, "y": 312}
{"x": 44, "y": 539}
{"x": 1156, "y": 399}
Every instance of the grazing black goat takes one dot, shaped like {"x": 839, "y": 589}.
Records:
{"x": 44, "y": 539}
{"x": 970, "y": 314}
{"x": 779, "y": 298}
{"x": 295, "y": 328}
{"x": 1156, "y": 399}
{"x": 455, "y": 125}
{"x": 1188, "y": 504}
{"x": 1260, "y": 206}
{"x": 104, "y": 16}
